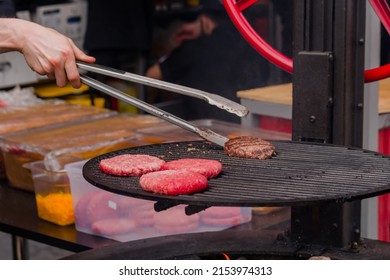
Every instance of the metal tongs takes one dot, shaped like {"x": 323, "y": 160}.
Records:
{"x": 212, "y": 99}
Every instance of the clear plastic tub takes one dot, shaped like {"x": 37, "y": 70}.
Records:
{"x": 56, "y": 144}
{"x": 52, "y": 194}
{"x": 46, "y": 113}
{"x": 123, "y": 218}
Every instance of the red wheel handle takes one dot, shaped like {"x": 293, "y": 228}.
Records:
{"x": 382, "y": 10}
{"x": 235, "y": 8}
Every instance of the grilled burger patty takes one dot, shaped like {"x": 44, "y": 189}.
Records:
{"x": 249, "y": 147}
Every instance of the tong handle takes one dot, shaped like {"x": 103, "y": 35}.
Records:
{"x": 204, "y": 133}
{"x": 213, "y": 99}
{"x": 108, "y": 71}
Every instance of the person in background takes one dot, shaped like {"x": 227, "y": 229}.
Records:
{"x": 45, "y": 50}
{"x": 119, "y": 31}
{"x": 119, "y": 35}
{"x": 211, "y": 56}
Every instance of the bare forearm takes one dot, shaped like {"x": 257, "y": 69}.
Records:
{"x": 9, "y": 35}
{"x": 45, "y": 50}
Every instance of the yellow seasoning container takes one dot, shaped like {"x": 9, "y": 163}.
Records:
{"x": 56, "y": 208}
{"x": 52, "y": 194}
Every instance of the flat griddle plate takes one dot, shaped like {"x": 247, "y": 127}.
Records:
{"x": 300, "y": 174}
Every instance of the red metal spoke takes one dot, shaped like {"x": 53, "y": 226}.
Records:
{"x": 234, "y": 9}
{"x": 244, "y": 4}
{"x": 382, "y": 10}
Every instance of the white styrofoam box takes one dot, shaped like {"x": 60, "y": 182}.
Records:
{"x": 25, "y": 14}
{"x": 69, "y": 19}
{"x": 124, "y": 218}
{"x": 14, "y": 70}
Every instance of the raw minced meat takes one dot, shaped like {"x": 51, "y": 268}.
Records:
{"x": 130, "y": 165}
{"x": 207, "y": 167}
{"x": 173, "y": 182}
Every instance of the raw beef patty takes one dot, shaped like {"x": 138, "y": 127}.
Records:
{"x": 130, "y": 165}
{"x": 207, "y": 167}
{"x": 175, "y": 221}
{"x": 173, "y": 182}
{"x": 221, "y": 216}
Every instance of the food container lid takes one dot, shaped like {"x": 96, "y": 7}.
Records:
{"x": 74, "y": 139}
{"x": 20, "y": 118}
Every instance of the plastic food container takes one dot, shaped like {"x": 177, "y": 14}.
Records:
{"x": 52, "y": 194}
{"x": 55, "y": 145}
{"x": 20, "y": 118}
{"x": 124, "y": 218}
{"x": 17, "y": 118}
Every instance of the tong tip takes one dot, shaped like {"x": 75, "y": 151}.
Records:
{"x": 240, "y": 111}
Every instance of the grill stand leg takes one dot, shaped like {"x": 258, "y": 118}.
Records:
{"x": 330, "y": 225}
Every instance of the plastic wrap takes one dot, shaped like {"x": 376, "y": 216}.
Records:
{"x": 61, "y": 144}
{"x": 19, "y": 118}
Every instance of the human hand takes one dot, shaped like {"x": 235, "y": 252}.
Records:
{"x": 188, "y": 31}
{"x": 50, "y": 53}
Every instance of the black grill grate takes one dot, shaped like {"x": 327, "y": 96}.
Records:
{"x": 300, "y": 174}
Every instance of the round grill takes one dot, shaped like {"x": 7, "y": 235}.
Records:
{"x": 300, "y": 174}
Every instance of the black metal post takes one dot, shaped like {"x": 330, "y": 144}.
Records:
{"x": 328, "y": 84}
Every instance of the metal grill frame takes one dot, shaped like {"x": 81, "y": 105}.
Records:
{"x": 329, "y": 49}
{"x": 300, "y": 174}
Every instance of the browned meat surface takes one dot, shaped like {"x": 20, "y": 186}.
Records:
{"x": 249, "y": 147}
